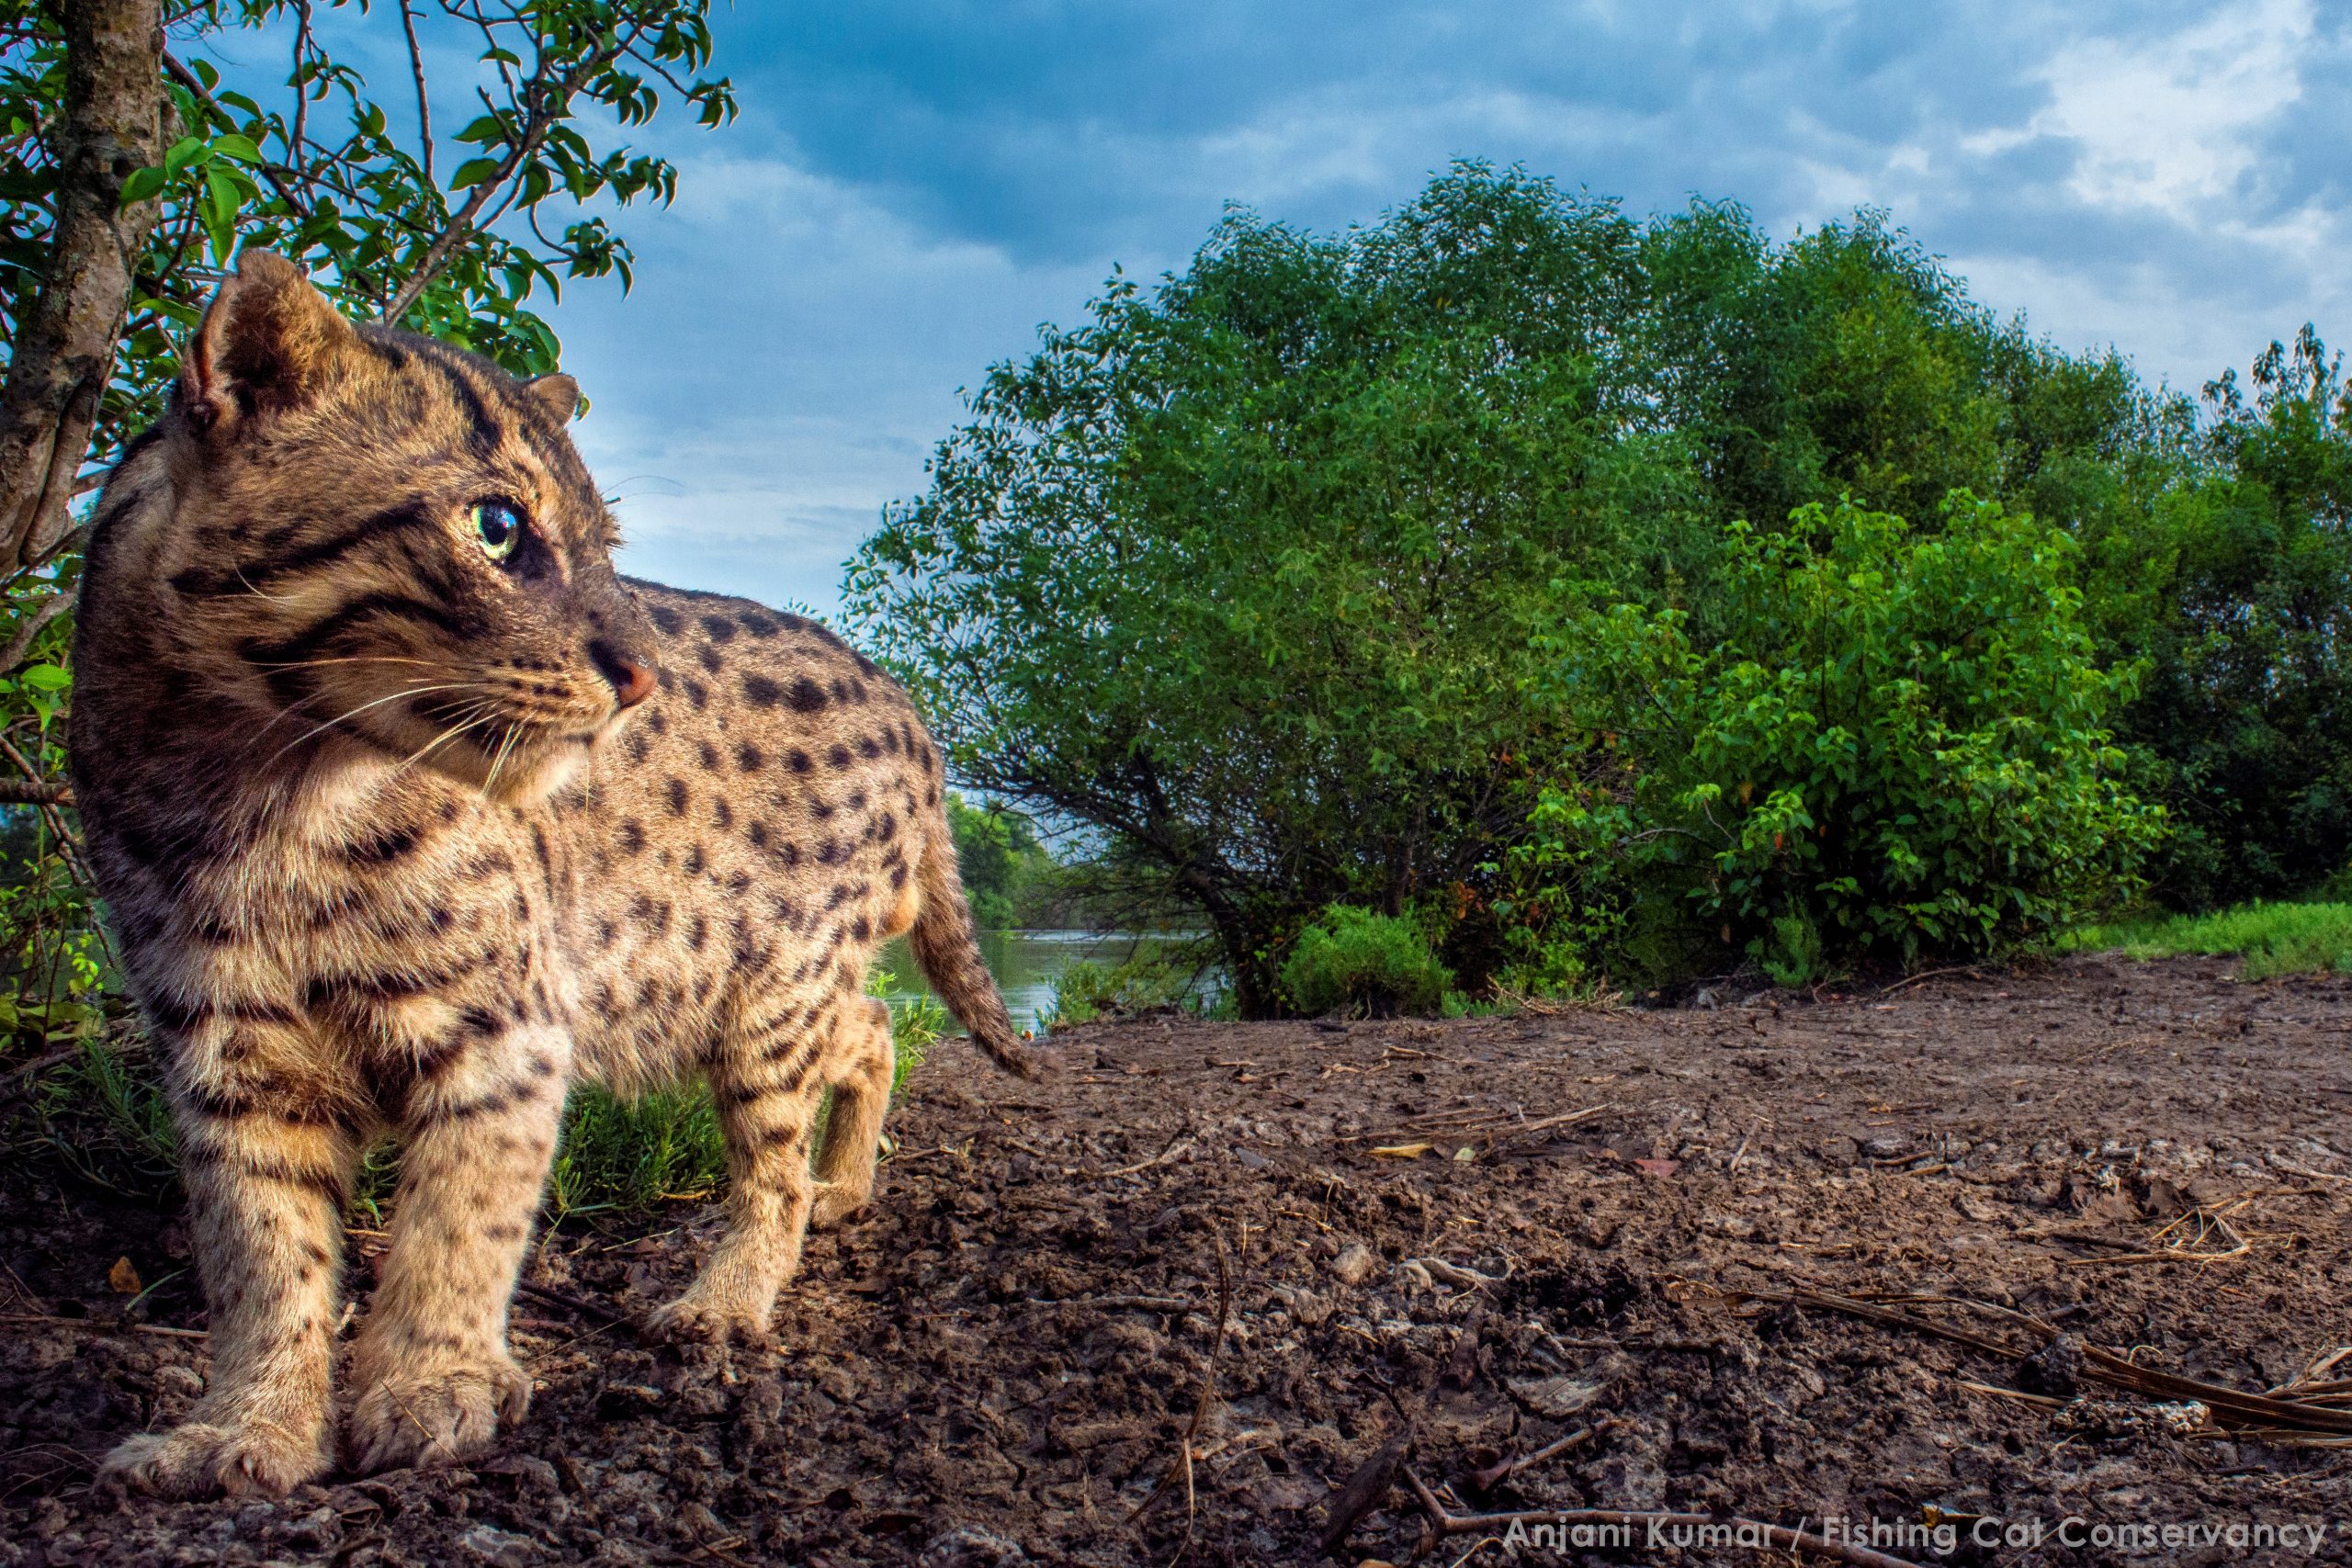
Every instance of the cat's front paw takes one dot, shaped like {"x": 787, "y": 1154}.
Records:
{"x": 251, "y": 1457}
{"x": 435, "y": 1417}
{"x": 697, "y": 1318}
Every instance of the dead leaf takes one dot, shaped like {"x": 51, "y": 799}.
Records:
{"x": 124, "y": 1277}
{"x": 1658, "y": 1166}
{"x": 1556, "y": 1398}
{"x": 1404, "y": 1151}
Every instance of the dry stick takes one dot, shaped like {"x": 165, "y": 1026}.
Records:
{"x": 424, "y": 99}
{"x": 1488, "y": 1479}
{"x": 1930, "y": 974}
{"x": 587, "y": 1308}
{"x": 1200, "y": 1409}
{"x": 2100, "y": 1366}
{"x": 1373, "y": 1478}
{"x": 1780, "y": 1536}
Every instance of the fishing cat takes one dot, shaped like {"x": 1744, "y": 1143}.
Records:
{"x": 408, "y": 811}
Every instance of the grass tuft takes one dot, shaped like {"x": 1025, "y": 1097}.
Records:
{"x": 101, "y": 1112}
{"x": 2276, "y": 939}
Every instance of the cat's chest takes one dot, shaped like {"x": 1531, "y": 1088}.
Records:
{"x": 405, "y": 877}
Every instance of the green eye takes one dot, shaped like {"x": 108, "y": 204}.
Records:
{"x": 498, "y": 527}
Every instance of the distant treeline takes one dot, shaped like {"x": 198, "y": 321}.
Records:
{"x": 1610, "y": 600}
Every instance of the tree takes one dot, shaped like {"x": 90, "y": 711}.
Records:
{"x": 133, "y": 170}
{"x": 1242, "y": 572}
{"x": 2237, "y": 589}
{"x": 1896, "y": 745}
{"x": 1246, "y": 574}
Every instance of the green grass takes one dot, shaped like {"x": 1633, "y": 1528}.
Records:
{"x": 2276, "y": 939}
{"x": 101, "y": 1113}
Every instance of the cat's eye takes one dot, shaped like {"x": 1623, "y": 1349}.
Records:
{"x": 498, "y": 528}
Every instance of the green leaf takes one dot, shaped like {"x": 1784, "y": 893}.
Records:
{"x": 142, "y": 185}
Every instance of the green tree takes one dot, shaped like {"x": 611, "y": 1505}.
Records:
{"x": 1896, "y": 745}
{"x": 2234, "y": 587}
{"x": 1002, "y": 860}
{"x": 1243, "y": 572}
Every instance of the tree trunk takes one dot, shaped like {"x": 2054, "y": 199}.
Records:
{"x": 112, "y": 125}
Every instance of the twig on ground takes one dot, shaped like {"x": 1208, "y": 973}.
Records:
{"x": 1740, "y": 1153}
{"x": 2304, "y": 1170}
{"x": 2228, "y": 1405}
{"x": 595, "y": 1311}
{"x": 1200, "y": 1410}
{"x": 105, "y": 1325}
{"x": 1146, "y": 1303}
{"x": 1488, "y": 1479}
{"x": 1930, "y": 974}
{"x": 1176, "y": 1146}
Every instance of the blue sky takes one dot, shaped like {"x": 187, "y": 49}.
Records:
{"x": 913, "y": 187}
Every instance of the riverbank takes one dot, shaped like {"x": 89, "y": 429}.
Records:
{"x": 1266, "y": 1243}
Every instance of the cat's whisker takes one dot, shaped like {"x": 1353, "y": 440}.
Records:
{"x": 256, "y": 592}
{"x": 513, "y": 733}
{"x": 480, "y": 714}
{"x": 363, "y": 707}
{"x": 353, "y": 658}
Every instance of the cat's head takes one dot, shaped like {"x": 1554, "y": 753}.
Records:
{"x": 379, "y": 538}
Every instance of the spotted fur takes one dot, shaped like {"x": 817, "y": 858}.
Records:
{"x": 399, "y": 837}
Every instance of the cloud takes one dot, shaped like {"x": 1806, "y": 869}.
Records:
{"x": 916, "y": 184}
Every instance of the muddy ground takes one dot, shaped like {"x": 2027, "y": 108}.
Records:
{"x": 1002, "y": 1362}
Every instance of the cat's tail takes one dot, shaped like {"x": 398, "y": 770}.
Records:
{"x": 948, "y": 950}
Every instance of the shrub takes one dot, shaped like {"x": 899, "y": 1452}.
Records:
{"x": 1087, "y": 991}
{"x": 1355, "y": 961}
{"x": 1896, "y": 746}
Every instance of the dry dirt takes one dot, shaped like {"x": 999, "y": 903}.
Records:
{"x": 1004, "y": 1359}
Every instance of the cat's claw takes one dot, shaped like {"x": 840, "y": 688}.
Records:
{"x": 242, "y": 1459}
{"x": 437, "y": 1418}
{"x": 689, "y": 1321}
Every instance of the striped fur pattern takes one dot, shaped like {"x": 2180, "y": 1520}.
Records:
{"x": 400, "y": 834}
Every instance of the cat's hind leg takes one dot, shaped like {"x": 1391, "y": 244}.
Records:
{"x": 766, "y": 1079}
{"x": 862, "y": 1068}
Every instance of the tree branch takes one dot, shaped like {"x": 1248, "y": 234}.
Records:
{"x": 34, "y": 624}
{"x": 545, "y": 106}
{"x": 424, "y": 102}
{"x": 64, "y": 347}
{"x": 195, "y": 84}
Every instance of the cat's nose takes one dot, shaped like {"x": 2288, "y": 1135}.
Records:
{"x": 632, "y": 679}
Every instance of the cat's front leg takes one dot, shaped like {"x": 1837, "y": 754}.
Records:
{"x": 266, "y": 1166}
{"x": 432, "y": 1377}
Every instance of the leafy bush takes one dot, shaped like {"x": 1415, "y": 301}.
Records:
{"x": 1898, "y": 745}
{"x": 1087, "y": 991}
{"x": 1355, "y": 961}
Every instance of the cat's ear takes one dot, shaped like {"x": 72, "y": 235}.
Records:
{"x": 268, "y": 342}
{"x": 557, "y": 397}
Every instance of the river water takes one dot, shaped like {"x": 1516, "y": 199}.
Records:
{"x": 1025, "y": 965}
